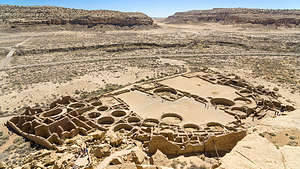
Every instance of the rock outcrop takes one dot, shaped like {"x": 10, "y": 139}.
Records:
{"x": 238, "y": 15}
{"x": 44, "y": 15}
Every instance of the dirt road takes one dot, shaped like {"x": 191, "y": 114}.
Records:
{"x": 6, "y": 61}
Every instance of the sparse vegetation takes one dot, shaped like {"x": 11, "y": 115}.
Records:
{"x": 292, "y": 137}
{"x": 108, "y": 88}
{"x": 90, "y": 60}
{"x": 194, "y": 166}
{"x": 3, "y": 138}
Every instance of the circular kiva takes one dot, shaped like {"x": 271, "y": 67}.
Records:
{"x": 150, "y": 122}
{"x": 103, "y": 108}
{"x": 171, "y": 118}
{"x": 96, "y": 104}
{"x": 222, "y": 101}
{"x": 122, "y": 126}
{"x": 245, "y": 91}
{"x": 53, "y": 113}
{"x": 118, "y": 113}
{"x": 239, "y": 109}
{"x": 191, "y": 127}
{"x": 165, "y": 89}
{"x": 106, "y": 120}
{"x": 243, "y": 100}
{"x": 94, "y": 115}
{"x": 133, "y": 120}
{"x": 76, "y": 105}
{"x": 213, "y": 124}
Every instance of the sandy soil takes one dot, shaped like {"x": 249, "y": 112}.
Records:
{"x": 282, "y": 131}
{"x": 47, "y": 92}
{"x": 201, "y": 87}
{"x": 190, "y": 110}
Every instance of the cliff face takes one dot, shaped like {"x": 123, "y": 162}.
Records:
{"x": 19, "y": 15}
{"x": 238, "y": 15}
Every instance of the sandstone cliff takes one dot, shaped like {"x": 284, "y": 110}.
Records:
{"x": 238, "y": 15}
{"x": 44, "y": 15}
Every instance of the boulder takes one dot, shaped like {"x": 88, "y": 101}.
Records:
{"x": 54, "y": 138}
{"x": 253, "y": 152}
{"x": 98, "y": 135}
{"x": 160, "y": 159}
{"x": 2, "y": 165}
{"x": 138, "y": 156}
{"x": 26, "y": 166}
{"x": 101, "y": 151}
{"x": 116, "y": 161}
{"x": 114, "y": 139}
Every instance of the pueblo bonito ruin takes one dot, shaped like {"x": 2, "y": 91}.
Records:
{"x": 119, "y": 112}
{"x": 212, "y": 124}
{"x": 107, "y": 89}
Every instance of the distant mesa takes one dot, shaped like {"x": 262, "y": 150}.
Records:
{"x": 46, "y": 15}
{"x": 238, "y": 16}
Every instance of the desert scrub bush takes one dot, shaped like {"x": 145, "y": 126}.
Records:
{"x": 194, "y": 166}
{"x": 111, "y": 87}
{"x": 262, "y": 134}
{"x": 3, "y": 138}
{"x": 292, "y": 137}
{"x": 4, "y": 156}
{"x": 19, "y": 140}
{"x": 141, "y": 81}
{"x": 4, "y": 114}
{"x": 178, "y": 164}
{"x": 11, "y": 148}
{"x": 106, "y": 89}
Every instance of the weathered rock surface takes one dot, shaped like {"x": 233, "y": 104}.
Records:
{"x": 116, "y": 161}
{"x": 151, "y": 167}
{"x": 253, "y": 151}
{"x": 2, "y": 165}
{"x": 101, "y": 151}
{"x": 21, "y": 15}
{"x": 123, "y": 166}
{"x": 114, "y": 139}
{"x": 160, "y": 159}
{"x": 238, "y": 15}
{"x": 138, "y": 156}
{"x": 98, "y": 135}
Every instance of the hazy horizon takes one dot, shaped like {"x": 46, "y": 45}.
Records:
{"x": 158, "y": 9}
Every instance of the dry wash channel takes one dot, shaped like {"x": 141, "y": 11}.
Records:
{"x": 204, "y": 112}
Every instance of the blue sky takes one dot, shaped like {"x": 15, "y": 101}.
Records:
{"x": 159, "y": 8}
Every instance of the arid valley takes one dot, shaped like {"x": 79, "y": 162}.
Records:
{"x": 107, "y": 89}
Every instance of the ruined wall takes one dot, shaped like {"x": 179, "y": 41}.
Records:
{"x": 68, "y": 117}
